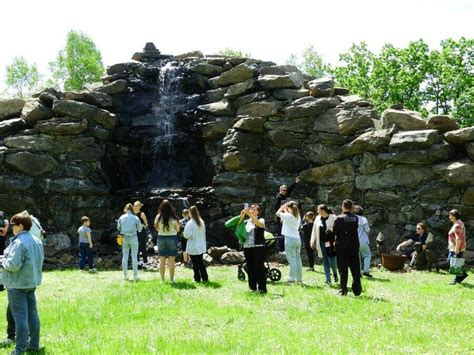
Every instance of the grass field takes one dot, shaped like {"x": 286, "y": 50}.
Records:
{"x": 103, "y": 314}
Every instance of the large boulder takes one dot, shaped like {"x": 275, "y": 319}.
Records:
{"x": 290, "y": 94}
{"x": 31, "y": 164}
{"x": 249, "y": 98}
{"x": 219, "y": 108}
{"x": 206, "y": 69}
{"x": 96, "y": 98}
{"x": 397, "y": 175}
{"x": 460, "y": 136}
{"x": 12, "y": 124}
{"x": 371, "y": 141}
{"x": 415, "y": 139}
{"x": 216, "y": 129}
{"x": 34, "y": 143}
{"x": 321, "y": 154}
{"x": 291, "y": 161}
{"x": 11, "y": 183}
{"x": 434, "y": 154}
{"x": 468, "y": 197}
{"x": 71, "y": 186}
{"x": 328, "y": 174}
{"x": 403, "y": 120}
{"x": 113, "y": 88}
{"x": 239, "y": 179}
{"x": 300, "y": 125}
{"x": 59, "y": 241}
{"x": 278, "y": 70}
{"x": 34, "y": 111}
{"x": 288, "y": 81}
{"x": 85, "y": 111}
{"x": 250, "y": 124}
{"x": 322, "y": 87}
{"x": 260, "y": 109}
{"x": 62, "y": 126}
{"x": 242, "y": 140}
{"x": 232, "y": 258}
{"x": 235, "y": 161}
{"x": 216, "y": 94}
{"x": 470, "y": 149}
{"x": 241, "y": 88}
{"x": 237, "y": 74}
{"x": 327, "y": 121}
{"x": 441, "y": 123}
{"x": 11, "y": 108}
{"x": 456, "y": 173}
{"x": 354, "y": 120}
{"x": 282, "y": 139}
{"x": 309, "y": 107}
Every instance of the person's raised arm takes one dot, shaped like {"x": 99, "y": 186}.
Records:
{"x": 254, "y": 219}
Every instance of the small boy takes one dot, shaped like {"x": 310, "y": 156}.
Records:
{"x": 85, "y": 245}
{"x": 182, "y": 224}
{"x": 307, "y": 228}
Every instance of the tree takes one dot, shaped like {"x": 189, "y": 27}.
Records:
{"x": 228, "y": 52}
{"x": 310, "y": 63}
{"x": 464, "y": 110}
{"x": 21, "y": 78}
{"x": 79, "y": 63}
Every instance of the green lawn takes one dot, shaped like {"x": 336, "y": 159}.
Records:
{"x": 102, "y": 314}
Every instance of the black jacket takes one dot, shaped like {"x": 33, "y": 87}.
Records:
{"x": 345, "y": 229}
{"x": 282, "y": 199}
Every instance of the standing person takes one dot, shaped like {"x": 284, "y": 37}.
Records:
{"x": 183, "y": 240}
{"x": 322, "y": 239}
{"x": 364, "y": 247}
{"x": 307, "y": 228}
{"x": 290, "y": 215}
{"x": 167, "y": 225}
{"x": 129, "y": 226}
{"x": 85, "y": 245}
{"x": 281, "y": 198}
{"x": 36, "y": 228}
{"x": 195, "y": 233}
{"x": 3, "y": 232}
{"x": 457, "y": 242}
{"x": 254, "y": 248}
{"x": 23, "y": 263}
{"x": 142, "y": 236}
{"x": 347, "y": 246}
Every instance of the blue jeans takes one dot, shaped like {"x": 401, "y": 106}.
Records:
{"x": 22, "y": 303}
{"x": 130, "y": 243}
{"x": 365, "y": 254}
{"x": 329, "y": 262}
{"x": 85, "y": 252}
{"x": 293, "y": 255}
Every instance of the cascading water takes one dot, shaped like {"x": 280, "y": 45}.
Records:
{"x": 169, "y": 168}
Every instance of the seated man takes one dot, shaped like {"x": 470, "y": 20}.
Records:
{"x": 419, "y": 236}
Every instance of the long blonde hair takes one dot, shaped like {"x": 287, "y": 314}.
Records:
{"x": 194, "y": 212}
{"x": 294, "y": 208}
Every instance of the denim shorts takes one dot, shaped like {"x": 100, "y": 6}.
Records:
{"x": 168, "y": 245}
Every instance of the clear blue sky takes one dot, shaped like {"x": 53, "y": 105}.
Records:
{"x": 269, "y": 30}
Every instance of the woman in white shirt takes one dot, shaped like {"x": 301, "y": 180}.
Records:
{"x": 167, "y": 225}
{"x": 290, "y": 215}
{"x": 195, "y": 233}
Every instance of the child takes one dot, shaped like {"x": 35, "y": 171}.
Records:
{"x": 85, "y": 245}
{"x": 182, "y": 224}
{"x": 307, "y": 227}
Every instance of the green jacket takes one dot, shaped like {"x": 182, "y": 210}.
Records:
{"x": 239, "y": 228}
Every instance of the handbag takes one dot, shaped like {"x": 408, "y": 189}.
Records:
{"x": 456, "y": 266}
{"x": 120, "y": 239}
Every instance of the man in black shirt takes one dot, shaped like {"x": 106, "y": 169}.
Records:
{"x": 282, "y": 198}
{"x": 347, "y": 248}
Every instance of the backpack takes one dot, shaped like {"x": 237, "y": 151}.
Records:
{"x": 3, "y": 217}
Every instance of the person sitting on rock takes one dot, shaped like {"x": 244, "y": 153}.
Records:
{"x": 407, "y": 246}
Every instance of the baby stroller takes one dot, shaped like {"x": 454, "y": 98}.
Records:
{"x": 272, "y": 273}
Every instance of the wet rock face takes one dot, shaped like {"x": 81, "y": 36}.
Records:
{"x": 219, "y": 132}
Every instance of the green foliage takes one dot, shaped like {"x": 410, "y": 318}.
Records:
{"x": 436, "y": 81}
{"x": 310, "y": 63}
{"x": 464, "y": 109}
{"x": 79, "y": 63}
{"x": 237, "y": 53}
{"x": 415, "y": 312}
{"x": 22, "y": 78}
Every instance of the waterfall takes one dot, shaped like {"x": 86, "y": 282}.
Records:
{"x": 169, "y": 167}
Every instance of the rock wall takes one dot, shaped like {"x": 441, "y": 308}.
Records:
{"x": 243, "y": 128}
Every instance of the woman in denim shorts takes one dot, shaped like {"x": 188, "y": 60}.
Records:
{"x": 167, "y": 226}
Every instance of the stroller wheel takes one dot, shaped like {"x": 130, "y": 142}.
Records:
{"x": 241, "y": 275}
{"x": 274, "y": 274}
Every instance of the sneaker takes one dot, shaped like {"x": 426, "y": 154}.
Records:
{"x": 342, "y": 293}
{"x": 310, "y": 269}
{"x": 454, "y": 282}
{"x": 136, "y": 279}
{"x": 93, "y": 270}
{"x": 282, "y": 253}
{"x": 81, "y": 270}
{"x": 366, "y": 274}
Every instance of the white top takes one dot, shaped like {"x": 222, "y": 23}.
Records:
{"x": 291, "y": 225}
{"x": 250, "y": 228}
{"x": 315, "y": 237}
{"x": 36, "y": 228}
{"x": 363, "y": 229}
{"x": 196, "y": 236}
{"x": 173, "y": 224}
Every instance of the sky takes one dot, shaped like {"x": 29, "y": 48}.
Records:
{"x": 268, "y": 30}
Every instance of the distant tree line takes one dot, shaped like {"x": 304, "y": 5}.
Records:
{"x": 78, "y": 64}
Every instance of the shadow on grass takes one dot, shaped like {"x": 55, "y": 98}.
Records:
{"x": 467, "y": 285}
{"x": 183, "y": 285}
{"x": 374, "y": 299}
{"x": 210, "y": 284}
{"x": 376, "y": 279}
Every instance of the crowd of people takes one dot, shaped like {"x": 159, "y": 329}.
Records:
{"x": 341, "y": 241}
